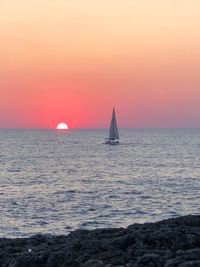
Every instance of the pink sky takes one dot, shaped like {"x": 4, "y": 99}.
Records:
{"x": 72, "y": 61}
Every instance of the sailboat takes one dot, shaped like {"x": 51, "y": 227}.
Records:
{"x": 113, "y": 132}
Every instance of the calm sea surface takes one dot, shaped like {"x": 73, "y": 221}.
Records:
{"x": 55, "y": 182}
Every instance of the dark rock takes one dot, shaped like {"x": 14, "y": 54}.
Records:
{"x": 93, "y": 263}
{"x": 168, "y": 243}
{"x": 151, "y": 260}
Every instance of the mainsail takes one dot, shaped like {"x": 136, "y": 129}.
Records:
{"x": 113, "y": 133}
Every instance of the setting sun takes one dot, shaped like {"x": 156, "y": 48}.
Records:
{"x": 62, "y": 126}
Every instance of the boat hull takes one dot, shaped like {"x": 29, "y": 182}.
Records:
{"x": 112, "y": 142}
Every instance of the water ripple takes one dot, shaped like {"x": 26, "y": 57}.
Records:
{"x": 55, "y": 183}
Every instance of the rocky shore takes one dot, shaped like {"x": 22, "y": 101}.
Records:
{"x": 172, "y": 242}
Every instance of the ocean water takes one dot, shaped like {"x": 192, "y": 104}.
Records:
{"x": 55, "y": 182}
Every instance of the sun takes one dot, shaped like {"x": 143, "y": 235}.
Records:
{"x": 62, "y": 126}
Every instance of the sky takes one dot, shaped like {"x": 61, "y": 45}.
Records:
{"x": 74, "y": 60}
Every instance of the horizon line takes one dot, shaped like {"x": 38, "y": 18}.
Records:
{"x": 92, "y": 128}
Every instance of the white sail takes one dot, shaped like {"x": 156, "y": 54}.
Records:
{"x": 113, "y": 133}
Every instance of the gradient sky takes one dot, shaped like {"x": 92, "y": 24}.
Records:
{"x": 73, "y": 60}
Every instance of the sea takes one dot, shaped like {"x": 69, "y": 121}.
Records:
{"x": 54, "y": 182}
